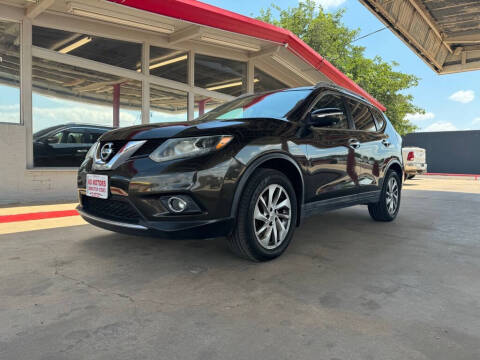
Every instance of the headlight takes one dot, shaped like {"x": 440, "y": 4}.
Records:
{"x": 92, "y": 151}
{"x": 189, "y": 147}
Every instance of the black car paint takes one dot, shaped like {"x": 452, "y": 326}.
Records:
{"x": 327, "y": 172}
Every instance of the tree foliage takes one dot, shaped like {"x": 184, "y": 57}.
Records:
{"x": 327, "y": 35}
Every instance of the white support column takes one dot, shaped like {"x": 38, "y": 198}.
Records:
{"x": 250, "y": 77}
{"x": 26, "y": 87}
{"x": 191, "y": 83}
{"x": 146, "y": 83}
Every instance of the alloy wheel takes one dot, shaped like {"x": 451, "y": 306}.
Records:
{"x": 272, "y": 216}
{"x": 392, "y": 195}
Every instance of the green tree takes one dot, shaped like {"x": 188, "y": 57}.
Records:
{"x": 327, "y": 35}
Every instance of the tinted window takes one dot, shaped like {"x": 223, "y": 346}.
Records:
{"x": 362, "y": 117}
{"x": 169, "y": 64}
{"x": 78, "y": 136}
{"x": 264, "y": 82}
{"x": 273, "y": 105}
{"x": 56, "y": 139}
{"x": 332, "y": 101}
{"x": 109, "y": 51}
{"x": 380, "y": 120}
{"x": 222, "y": 75}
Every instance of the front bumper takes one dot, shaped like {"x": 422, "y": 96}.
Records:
{"x": 415, "y": 168}
{"x": 137, "y": 190}
{"x": 200, "y": 229}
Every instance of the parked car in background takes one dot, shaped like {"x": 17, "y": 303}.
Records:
{"x": 250, "y": 170}
{"x": 65, "y": 145}
{"x": 414, "y": 160}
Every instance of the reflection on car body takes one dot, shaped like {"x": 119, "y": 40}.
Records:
{"x": 65, "y": 145}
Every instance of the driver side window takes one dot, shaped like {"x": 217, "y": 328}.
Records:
{"x": 56, "y": 139}
{"x": 332, "y": 101}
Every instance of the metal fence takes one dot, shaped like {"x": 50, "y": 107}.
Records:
{"x": 454, "y": 152}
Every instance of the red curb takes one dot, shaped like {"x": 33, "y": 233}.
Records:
{"x": 37, "y": 216}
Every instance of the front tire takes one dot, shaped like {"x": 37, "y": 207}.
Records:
{"x": 389, "y": 205}
{"x": 266, "y": 217}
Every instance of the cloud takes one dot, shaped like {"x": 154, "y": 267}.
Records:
{"x": 328, "y": 4}
{"x": 476, "y": 121}
{"x": 72, "y": 112}
{"x": 463, "y": 96}
{"x": 420, "y": 117}
{"x": 441, "y": 126}
{"x": 10, "y": 113}
{"x": 12, "y": 107}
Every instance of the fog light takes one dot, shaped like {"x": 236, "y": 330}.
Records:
{"x": 176, "y": 204}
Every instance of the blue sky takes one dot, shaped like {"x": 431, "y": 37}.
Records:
{"x": 452, "y": 102}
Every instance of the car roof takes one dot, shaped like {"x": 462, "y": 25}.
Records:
{"x": 331, "y": 86}
{"x": 328, "y": 85}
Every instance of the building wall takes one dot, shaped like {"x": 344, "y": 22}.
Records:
{"x": 454, "y": 152}
{"x": 40, "y": 71}
{"x": 21, "y": 185}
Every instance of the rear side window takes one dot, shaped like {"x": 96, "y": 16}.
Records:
{"x": 361, "y": 115}
{"x": 332, "y": 101}
{"x": 380, "y": 120}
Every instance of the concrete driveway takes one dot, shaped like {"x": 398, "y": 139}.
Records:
{"x": 347, "y": 288}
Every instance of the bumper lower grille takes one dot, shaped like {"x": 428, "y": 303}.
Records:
{"x": 111, "y": 209}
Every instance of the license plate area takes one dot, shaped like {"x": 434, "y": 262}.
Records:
{"x": 97, "y": 186}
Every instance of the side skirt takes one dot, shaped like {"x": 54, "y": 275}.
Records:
{"x": 318, "y": 207}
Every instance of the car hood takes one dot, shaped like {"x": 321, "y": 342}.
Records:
{"x": 183, "y": 129}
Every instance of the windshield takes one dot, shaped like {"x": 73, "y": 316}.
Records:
{"x": 271, "y": 105}
{"x": 45, "y": 131}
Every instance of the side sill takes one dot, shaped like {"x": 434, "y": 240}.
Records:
{"x": 318, "y": 207}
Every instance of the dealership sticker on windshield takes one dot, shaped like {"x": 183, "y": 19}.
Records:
{"x": 97, "y": 186}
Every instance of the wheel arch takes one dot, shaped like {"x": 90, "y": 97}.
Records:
{"x": 396, "y": 166}
{"x": 277, "y": 161}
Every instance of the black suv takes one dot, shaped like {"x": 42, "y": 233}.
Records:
{"x": 250, "y": 170}
{"x": 65, "y": 145}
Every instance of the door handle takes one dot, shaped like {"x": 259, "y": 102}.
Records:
{"x": 386, "y": 143}
{"x": 354, "y": 143}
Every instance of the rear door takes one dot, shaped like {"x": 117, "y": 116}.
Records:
{"x": 328, "y": 153}
{"x": 369, "y": 143}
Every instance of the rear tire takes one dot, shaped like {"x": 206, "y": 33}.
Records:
{"x": 410, "y": 177}
{"x": 389, "y": 205}
{"x": 266, "y": 217}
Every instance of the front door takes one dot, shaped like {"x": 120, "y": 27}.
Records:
{"x": 331, "y": 170}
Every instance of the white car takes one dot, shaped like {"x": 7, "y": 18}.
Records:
{"x": 414, "y": 160}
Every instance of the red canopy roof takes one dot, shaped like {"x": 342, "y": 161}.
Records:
{"x": 200, "y": 13}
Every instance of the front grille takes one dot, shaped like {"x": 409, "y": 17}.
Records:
{"x": 111, "y": 209}
{"x": 117, "y": 145}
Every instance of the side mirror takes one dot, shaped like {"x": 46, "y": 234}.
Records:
{"x": 325, "y": 117}
{"x": 51, "y": 140}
